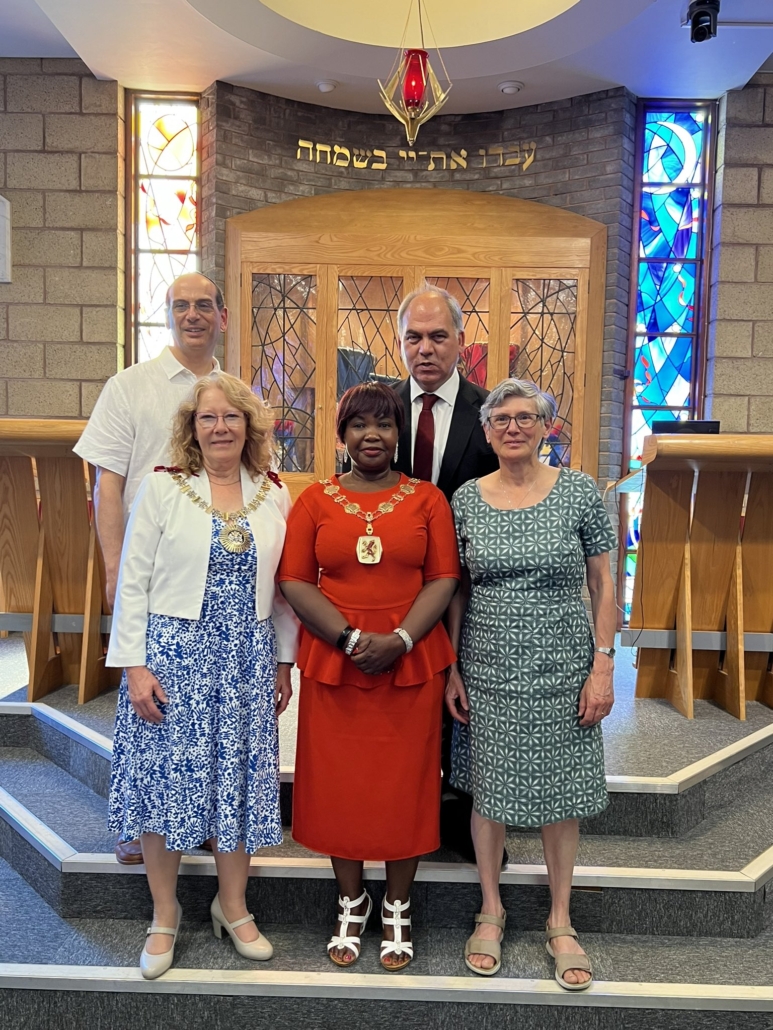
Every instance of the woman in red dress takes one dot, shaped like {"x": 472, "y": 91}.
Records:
{"x": 370, "y": 564}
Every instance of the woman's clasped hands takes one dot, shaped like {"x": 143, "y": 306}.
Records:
{"x": 377, "y": 652}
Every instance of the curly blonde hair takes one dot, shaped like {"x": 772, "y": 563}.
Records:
{"x": 259, "y": 449}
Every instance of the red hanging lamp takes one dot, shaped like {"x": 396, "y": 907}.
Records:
{"x": 413, "y": 93}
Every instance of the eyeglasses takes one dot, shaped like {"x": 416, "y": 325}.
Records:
{"x": 524, "y": 420}
{"x": 232, "y": 420}
{"x": 204, "y": 307}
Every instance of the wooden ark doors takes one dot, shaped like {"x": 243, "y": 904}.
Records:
{"x": 320, "y": 281}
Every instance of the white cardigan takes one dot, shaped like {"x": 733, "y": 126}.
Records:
{"x": 165, "y": 559}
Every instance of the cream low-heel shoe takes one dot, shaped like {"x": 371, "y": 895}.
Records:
{"x": 152, "y": 966}
{"x": 259, "y": 950}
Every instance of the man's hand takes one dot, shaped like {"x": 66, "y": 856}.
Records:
{"x": 108, "y": 516}
{"x": 144, "y": 693}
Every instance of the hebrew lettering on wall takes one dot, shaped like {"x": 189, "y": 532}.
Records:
{"x": 520, "y": 155}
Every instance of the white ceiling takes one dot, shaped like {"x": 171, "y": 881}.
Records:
{"x": 592, "y": 44}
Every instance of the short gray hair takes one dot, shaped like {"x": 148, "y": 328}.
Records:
{"x": 502, "y": 392}
{"x": 431, "y": 291}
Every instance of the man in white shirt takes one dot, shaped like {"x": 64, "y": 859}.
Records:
{"x": 129, "y": 430}
{"x": 443, "y": 441}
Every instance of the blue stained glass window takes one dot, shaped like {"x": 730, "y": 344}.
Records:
{"x": 668, "y": 272}
{"x": 674, "y": 144}
{"x": 669, "y": 222}
{"x": 662, "y": 371}
{"x": 666, "y": 297}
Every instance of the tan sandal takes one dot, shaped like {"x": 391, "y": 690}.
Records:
{"x": 480, "y": 946}
{"x": 566, "y": 962}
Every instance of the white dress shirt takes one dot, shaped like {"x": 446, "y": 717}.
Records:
{"x": 165, "y": 559}
{"x": 442, "y": 410}
{"x": 130, "y": 428}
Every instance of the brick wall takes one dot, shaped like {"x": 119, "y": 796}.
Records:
{"x": 740, "y": 365}
{"x": 61, "y": 167}
{"x": 583, "y": 162}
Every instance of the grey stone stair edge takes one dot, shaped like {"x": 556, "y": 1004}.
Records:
{"x": 35, "y": 934}
{"x": 78, "y": 815}
{"x": 85, "y": 754}
{"x": 727, "y": 904}
{"x": 288, "y": 1009}
{"x": 735, "y": 835}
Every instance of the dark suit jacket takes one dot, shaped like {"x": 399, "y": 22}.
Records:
{"x": 467, "y": 455}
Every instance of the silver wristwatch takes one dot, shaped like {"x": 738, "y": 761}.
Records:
{"x": 608, "y": 651}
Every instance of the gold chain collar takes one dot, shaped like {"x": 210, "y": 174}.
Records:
{"x": 352, "y": 508}
{"x": 233, "y": 538}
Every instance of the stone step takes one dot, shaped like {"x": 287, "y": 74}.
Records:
{"x": 666, "y": 805}
{"x": 710, "y": 881}
{"x": 60, "y": 972}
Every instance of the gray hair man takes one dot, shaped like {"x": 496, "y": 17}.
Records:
{"x": 443, "y": 440}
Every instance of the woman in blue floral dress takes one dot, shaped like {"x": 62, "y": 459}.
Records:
{"x": 207, "y": 643}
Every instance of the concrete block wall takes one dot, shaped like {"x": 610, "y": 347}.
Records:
{"x": 740, "y": 361}
{"x": 583, "y": 162}
{"x": 62, "y": 169}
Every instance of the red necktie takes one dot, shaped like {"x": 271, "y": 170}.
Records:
{"x": 424, "y": 447}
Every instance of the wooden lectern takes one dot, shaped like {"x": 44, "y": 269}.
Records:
{"x": 702, "y": 611}
{"x": 51, "y": 570}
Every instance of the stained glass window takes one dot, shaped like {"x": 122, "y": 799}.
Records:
{"x": 164, "y": 210}
{"x": 284, "y": 328}
{"x": 668, "y": 273}
{"x": 542, "y": 327}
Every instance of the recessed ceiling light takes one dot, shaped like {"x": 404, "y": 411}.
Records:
{"x": 508, "y": 88}
{"x": 327, "y": 85}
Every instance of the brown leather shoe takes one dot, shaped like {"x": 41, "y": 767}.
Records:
{"x": 129, "y": 852}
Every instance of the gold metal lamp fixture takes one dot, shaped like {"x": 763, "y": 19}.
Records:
{"x": 413, "y": 93}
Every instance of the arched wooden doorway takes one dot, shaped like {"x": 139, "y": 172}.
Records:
{"x": 319, "y": 282}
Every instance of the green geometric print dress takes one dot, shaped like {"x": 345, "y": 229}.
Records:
{"x": 525, "y": 652}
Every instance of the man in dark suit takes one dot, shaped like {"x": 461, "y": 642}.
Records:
{"x": 443, "y": 441}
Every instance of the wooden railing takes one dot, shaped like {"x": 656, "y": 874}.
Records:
{"x": 51, "y": 573}
{"x": 702, "y": 611}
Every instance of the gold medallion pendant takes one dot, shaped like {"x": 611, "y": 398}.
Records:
{"x": 369, "y": 549}
{"x": 234, "y": 539}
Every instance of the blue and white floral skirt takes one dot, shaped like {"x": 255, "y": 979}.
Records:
{"x": 211, "y": 768}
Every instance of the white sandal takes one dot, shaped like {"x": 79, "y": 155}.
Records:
{"x": 398, "y": 946}
{"x": 345, "y": 939}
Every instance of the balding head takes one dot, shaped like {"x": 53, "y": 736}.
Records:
{"x": 196, "y": 279}
{"x": 196, "y": 315}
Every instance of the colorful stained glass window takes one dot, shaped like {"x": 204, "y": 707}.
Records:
{"x": 284, "y": 335}
{"x": 674, "y": 174}
{"x": 543, "y": 313}
{"x": 166, "y": 240}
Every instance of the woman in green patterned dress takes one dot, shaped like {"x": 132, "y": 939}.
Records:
{"x": 531, "y": 687}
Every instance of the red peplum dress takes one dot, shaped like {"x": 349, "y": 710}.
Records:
{"x": 367, "y": 765}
